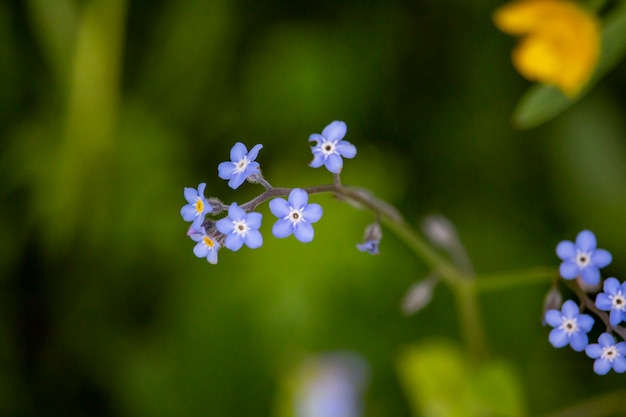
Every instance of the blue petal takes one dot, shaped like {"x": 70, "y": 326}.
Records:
{"x": 621, "y": 348}
{"x": 615, "y": 317}
{"x": 304, "y": 232}
{"x": 312, "y": 213}
{"x": 317, "y": 138}
{"x": 554, "y": 318}
{"x": 225, "y": 225}
{"x": 298, "y": 198}
{"x": 601, "y": 258}
{"x": 251, "y": 169}
{"x": 585, "y": 323}
{"x": 601, "y": 366}
{"x": 197, "y": 223}
{"x": 590, "y": 275}
{"x": 558, "y": 338}
{"x": 254, "y": 239}
{"x": 334, "y": 163}
{"x": 578, "y": 341}
{"x": 233, "y": 242}
{"x": 606, "y": 339}
{"x": 200, "y": 250}
{"x": 586, "y": 241}
{"x": 318, "y": 160}
{"x": 254, "y": 152}
{"x": 254, "y": 220}
{"x": 279, "y": 207}
{"x": 238, "y": 152}
{"x": 569, "y": 270}
{"x": 570, "y": 309}
{"x": 188, "y": 212}
{"x": 236, "y": 180}
{"x": 190, "y": 195}
{"x": 619, "y": 365}
{"x": 335, "y": 130}
{"x": 566, "y": 250}
{"x": 226, "y": 170}
{"x": 346, "y": 149}
{"x": 594, "y": 351}
{"x": 236, "y": 213}
{"x": 201, "y": 188}
{"x": 282, "y": 228}
{"x": 611, "y": 286}
{"x": 212, "y": 256}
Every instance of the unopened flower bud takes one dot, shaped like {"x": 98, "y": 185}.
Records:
{"x": 419, "y": 295}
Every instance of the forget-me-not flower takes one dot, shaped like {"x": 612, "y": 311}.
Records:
{"x": 197, "y": 208}
{"x": 607, "y": 354}
{"x": 582, "y": 258}
{"x": 295, "y": 216}
{"x": 241, "y": 165}
{"x": 613, "y": 299}
{"x": 371, "y": 239}
{"x": 570, "y": 327}
{"x": 240, "y": 227}
{"x": 206, "y": 247}
{"x": 329, "y": 147}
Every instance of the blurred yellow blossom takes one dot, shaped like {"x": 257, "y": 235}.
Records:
{"x": 560, "y": 42}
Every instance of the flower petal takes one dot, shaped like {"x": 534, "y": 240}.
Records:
{"x": 254, "y": 152}
{"x": 226, "y": 170}
{"x": 334, "y": 163}
{"x": 188, "y": 212}
{"x": 304, "y": 232}
{"x": 236, "y": 213}
{"x": 212, "y": 256}
{"x": 298, "y": 198}
{"x": 569, "y": 270}
{"x": 254, "y": 220}
{"x": 282, "y": 228}
{"x": 601, "y": 366}
{"x": 238, "y": 152}
{"x": 558, "y": 338}
{"x": 590, "y": 275}
{"x": 279, "y": 207}
{"x": 593, "y": 350}
{"x": 200, "y": 250}
{"x": 554, "y": 318}
{"x": 611, "y": 286}
{"x": 586, "y": 241}
{"x": 615, "y": 317}
{"x": 346, "y": 149}
{"x": 335, "y": 130}
{"x": 233, "y": 242}
{"x": 606, "y": 339}
{"x": 578, "y": 341}
{"x": 254, "y": 239}
{"x": 566, "y": 250}
{"x": 318, "y": 160}
{"x": 603, "y": 302}
{"x": 570, "y": 309}
{"x": 585, "y": 323}
{"x": 225, "y": 225}
{"x": 312, "y": 213}
{"x": 236, "y": 180}
{"x": 601, "y": 258}
{"x": 190, "y": 194}
{"x": 619, "y": 364}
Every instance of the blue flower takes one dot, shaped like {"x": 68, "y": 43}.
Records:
{"x": 607, "y": 355}
{"x": 570, "y": 327}
{"x": 371, "y": 239}
{"x": 295, "y": 216}
{"x": 197, "y": 208}
{"x": 329, "y": 147}
{"x": 613, "y": 299}
{"x": 241, "y": 166}
{"x": 206, "y": 247}
{"x": 582, "y": 259}
{"x": 240, "y": 227}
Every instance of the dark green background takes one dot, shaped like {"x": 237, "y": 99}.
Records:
{"x": 105, "y": 311}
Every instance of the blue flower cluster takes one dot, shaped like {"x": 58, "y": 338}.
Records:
{"x": 582, "y": 261}
{"x": 295, "y": 215}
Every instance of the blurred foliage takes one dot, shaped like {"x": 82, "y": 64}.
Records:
{"x": 108, "y": 108}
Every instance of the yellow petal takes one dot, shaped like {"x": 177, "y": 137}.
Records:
{"x": 560, "y": 41}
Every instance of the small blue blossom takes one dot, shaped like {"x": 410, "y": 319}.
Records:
{"x": 582, "y": 258}
{"x": 607, "y": 354}
{"x": 570, "y": 327}
{"x": 613, "y": 299}
{"x": 329, "y": 147}
{"x": 241, "y": 165}
{"x": 197, "y": 208}
{"x": 371, "y": 239}
{"x": 206, "y": 247}
{"x": 240, "y": 227}
{"x": 295, "y": 216}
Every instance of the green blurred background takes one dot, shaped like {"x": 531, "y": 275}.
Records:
{"x": 108, "y": 108}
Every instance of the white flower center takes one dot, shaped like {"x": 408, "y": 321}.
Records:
{"x": 569, "y": 326}
{"x": 618, "y": 301}
{"x": 609, "y": 353}
{"x": 583, "y": 259}
{"x": 295, "y": 215}
{"x": 241, "y": 165}
{"x": 241, "y": 227}
{"x": 328, "y": 148}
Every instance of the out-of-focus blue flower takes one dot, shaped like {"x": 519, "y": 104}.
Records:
{"x": 331, "y": 385}
{"x": 582, "y": 258}
{"x": 570, "y": 327}
{"x": 371, "y": 239}
{"x": 328, "y": 148}
{"x": 607, "y": 354}
{"x": 241, "y": 165}
{"x": 613, "y": 299}
{"x": 295, "y": 216}
{"x": 197, "y": 208}
{"x": 206, "y": 247}
{"x": 240, "y": 227}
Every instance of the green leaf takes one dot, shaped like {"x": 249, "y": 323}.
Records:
{"x": 441, "y": 380}
{"x": 541, "y": 103}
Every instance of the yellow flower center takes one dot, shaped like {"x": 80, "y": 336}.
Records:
{"x": 199, "y": 206}
{"x": 208, "y": 241}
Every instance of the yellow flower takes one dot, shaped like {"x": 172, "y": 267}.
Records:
{"x": 560, "y": 42}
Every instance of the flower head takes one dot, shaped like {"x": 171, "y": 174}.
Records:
{"x": 240, "y": 227}
{"x": 295, "y": 216}
{"x": 371, "y": 239}
{"x": 560, "y": 41}
{"x": 329, "y": 147}
{"x": 241, "y": 165}
{"x": 206, "y": 247}
{"x": 582, "y": 258}
{"x": 613, "y": 299}
{"x": 570, "y": 327}
{"x": 197, "y": 208}
{"x": 607, "y": 355}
